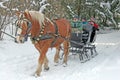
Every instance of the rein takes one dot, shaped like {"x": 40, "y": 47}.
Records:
{"x": 7, "y": 34}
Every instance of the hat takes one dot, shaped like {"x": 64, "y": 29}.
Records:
{"x": 76, "y": 17}
{"x": 92, "y": 18}
{"x": 84, "y": 18}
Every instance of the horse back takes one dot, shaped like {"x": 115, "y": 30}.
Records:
{"x": 64, "y": 27}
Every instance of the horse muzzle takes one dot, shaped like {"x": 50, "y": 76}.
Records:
{"x": 19, "y": 40}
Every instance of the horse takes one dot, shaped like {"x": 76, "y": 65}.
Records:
{"x": 44, "y": 34}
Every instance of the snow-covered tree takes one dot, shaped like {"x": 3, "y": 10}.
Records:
{"x": 9, "y": 7}
{"x": 5, "y": 14}
{"x": 103, "y": 10}
{"x": 108, "y": 10}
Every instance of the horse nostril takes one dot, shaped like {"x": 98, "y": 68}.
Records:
{"x": 21, "y": 41}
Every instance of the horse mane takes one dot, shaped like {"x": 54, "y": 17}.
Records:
{"x": 37, "y": 19}
{"x": 37, "y": 16}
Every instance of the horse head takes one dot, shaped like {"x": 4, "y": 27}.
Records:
{"x": 29, "y": 22}
{"x": 23, "y": 27}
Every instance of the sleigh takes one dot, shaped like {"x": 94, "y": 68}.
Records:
{"x": 82, "y": 43}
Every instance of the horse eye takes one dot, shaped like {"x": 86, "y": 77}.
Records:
{"x": 17, "y": 25}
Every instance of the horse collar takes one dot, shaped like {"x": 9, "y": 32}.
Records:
{"x": 47, "y": 35}
{"x": 41, "y": 36}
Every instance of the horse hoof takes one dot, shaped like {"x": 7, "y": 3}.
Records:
{"x": 46, "y": 69}
{"x": 56, "y": 64}
{"x": 37, "y": 75}
{"x": 64, "y": 64}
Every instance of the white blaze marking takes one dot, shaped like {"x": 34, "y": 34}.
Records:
{"x": 18, "y": 36}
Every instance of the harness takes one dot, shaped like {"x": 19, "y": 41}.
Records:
{"x": 56, "y": 35}
{"x": 41, "y": 35}
{"x": 47, "y": 35}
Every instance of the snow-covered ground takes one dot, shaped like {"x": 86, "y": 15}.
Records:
{"x": 19, "y": 61}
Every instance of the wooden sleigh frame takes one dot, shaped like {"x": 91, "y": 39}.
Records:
{"x": 80, "y": 44}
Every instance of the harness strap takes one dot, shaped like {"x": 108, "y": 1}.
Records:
{"x": 29, "y": 24}
{"x": 53, "y": 36}
{"x": 56, "y": 35}
{"x": 47, "y": 36}
{"x": 56, "y": 27}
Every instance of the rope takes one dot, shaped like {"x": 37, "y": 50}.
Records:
{"x": 8, "y": 34}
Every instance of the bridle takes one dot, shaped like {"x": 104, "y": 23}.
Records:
{"x": 18, "y": 26}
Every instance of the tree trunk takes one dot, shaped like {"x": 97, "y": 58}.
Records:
{"x": 1, "y": 35}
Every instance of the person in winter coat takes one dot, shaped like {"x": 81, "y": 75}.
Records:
{"x": 87, "y": 29}
{"x": 95, "y": 28}
{"x": 85, "y": 25}
{"x": 76, "y": 24}
{"x": 94, "y": 24}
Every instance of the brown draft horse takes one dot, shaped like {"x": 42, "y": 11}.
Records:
{"x": 44, "y": 34}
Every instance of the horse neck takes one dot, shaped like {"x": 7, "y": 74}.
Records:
{"x": 38, "y": 27}
{"x": 38, "y": 24}
{"x": 35, "y": 28}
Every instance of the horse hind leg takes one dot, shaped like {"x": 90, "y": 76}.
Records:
{"x": 56, "y": 57}
{"x": 66, "y": 52}
{"x": 46, "y": 67}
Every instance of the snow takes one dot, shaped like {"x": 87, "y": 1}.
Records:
{"x": 19, "y": 61}
{"x": 103, "y": 4}
{"x": 1, "y": 5}
{"x": 100, "y": 12}
{"x": 43, "y": 5}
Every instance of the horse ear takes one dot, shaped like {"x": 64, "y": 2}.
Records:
{"x": 26, "y": 13}
{"x": 26, "y": 10}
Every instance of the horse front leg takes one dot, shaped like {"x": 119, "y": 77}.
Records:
{"x": 66, "y": 53}
{"x": 41, "y": 59}
{"x": 39, "y": 67}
